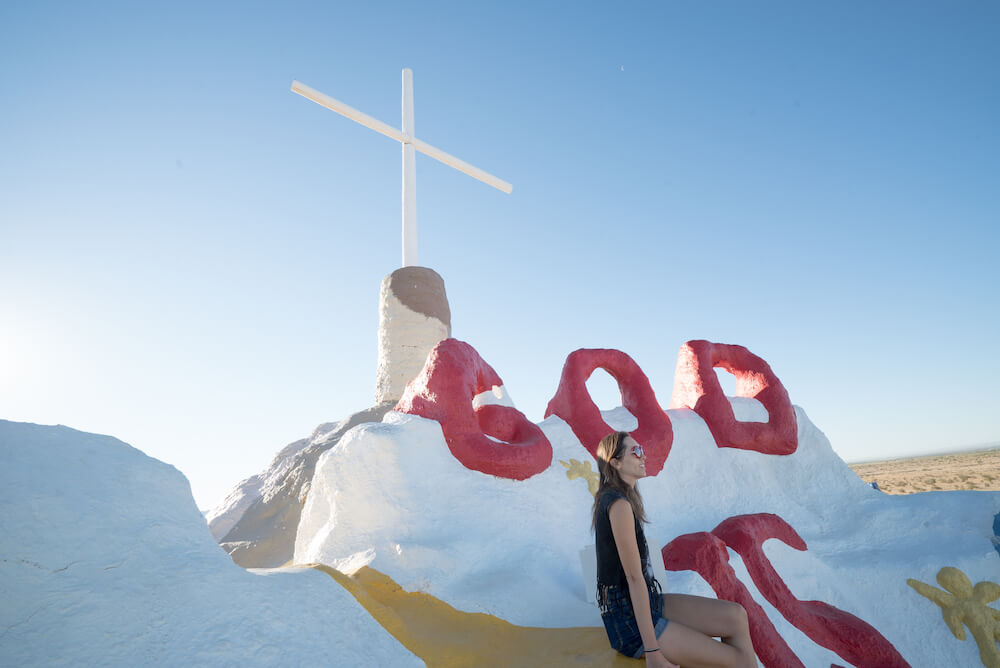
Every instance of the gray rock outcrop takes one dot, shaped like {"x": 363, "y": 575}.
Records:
{"x": 257, "y": 522}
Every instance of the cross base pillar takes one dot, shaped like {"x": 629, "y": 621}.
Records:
{"x": 413, "y": 318}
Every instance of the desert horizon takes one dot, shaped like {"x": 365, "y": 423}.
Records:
{"x": 968, "y": 470}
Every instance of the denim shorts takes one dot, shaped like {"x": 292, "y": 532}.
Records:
{"x": 619, "y": 618}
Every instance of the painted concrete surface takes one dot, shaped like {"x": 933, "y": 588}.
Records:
{"x": 394, "y": 497}
{"x": 106, "y": 561}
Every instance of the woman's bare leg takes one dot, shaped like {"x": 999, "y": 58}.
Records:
{"x": 713, "y": 617}
{"x": 693, "y": 649}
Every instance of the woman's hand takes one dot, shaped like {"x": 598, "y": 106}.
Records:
{"x": 657, "y": 660}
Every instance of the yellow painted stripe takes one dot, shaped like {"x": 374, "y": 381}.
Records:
{"x": 443, "y": 636}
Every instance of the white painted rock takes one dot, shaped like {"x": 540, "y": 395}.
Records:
{"x": 105, "y": 560}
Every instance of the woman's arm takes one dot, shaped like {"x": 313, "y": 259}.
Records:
{"x": 623, "y": 529}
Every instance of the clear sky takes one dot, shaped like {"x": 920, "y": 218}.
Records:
{"x": 190, "y": 254}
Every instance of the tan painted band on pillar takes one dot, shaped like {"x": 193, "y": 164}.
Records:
{"x": 421, "y": 290}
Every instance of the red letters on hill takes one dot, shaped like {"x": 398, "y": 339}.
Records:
{"x": 706, "y": 555}
{"x": 851, "y": 638}
{"x": 455, "y": 374}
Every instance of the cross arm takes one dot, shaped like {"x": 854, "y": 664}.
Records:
{"x": 391, "y": 132}
{"x": 461, "y": 165}
{"x": 330, "y": 103}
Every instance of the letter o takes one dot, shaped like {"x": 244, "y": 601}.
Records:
{"x": 573, "y": 403}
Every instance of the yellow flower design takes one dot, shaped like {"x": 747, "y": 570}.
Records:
{"x": 577, "y": 469}
{"x": 964, "y": 604}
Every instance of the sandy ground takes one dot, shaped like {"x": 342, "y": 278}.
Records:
{"x": 962, "y": 470}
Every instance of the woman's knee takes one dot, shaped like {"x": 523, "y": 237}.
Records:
{"x": 736, "y": 615}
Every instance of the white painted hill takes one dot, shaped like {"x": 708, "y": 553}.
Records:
{"x": 105, "y": 560}
{"x": 390, "y": 495}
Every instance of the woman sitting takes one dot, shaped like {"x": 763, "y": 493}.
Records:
{"x": 667, "y": 629}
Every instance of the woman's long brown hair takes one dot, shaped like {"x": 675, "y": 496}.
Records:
{"x": 611, "y": 447}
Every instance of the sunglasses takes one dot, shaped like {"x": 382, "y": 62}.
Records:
{"x": 638, "y": 451}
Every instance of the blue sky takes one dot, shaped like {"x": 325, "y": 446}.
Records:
{"x": 190, "y": 254}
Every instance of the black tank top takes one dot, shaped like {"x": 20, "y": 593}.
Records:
{"x": 609, "y": 564}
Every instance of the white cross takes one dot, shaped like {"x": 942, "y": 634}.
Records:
{"x": 409, "y": 162}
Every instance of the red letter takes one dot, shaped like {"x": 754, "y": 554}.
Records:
{"x": 697, "y": 387}
{"x": 573, "y": 404}
{"x": 452, "y": 376}
{"x": 706, "y": 555}
{"x": 853, "y": 639}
